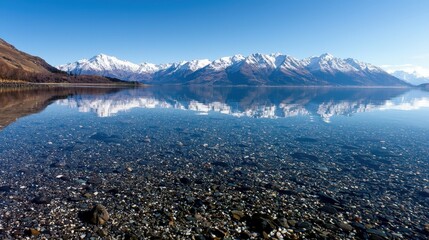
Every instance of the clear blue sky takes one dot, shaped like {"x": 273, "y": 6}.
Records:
{"x": 375, "y": 31}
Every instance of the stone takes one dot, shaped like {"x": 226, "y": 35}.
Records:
{"x": 185, "y": 180}
{"x": 328, "y": 209}
{"x": 376, "y": 234}
{"x": 5, "y": 188}
{"x": 327, "y": 199}
{"x": 305, "y": 225}
{"x": 99, "y": 215}
{"x": 87, "y": 195}
{"x": 291, "y": 222}
{"x": 41, "y": 200}
{"x": 237, "y": 215}
{"x": 345, "y": 226}
{"x": 424, "y": 193}
{"x": 33, "y": 232}
{"x": 262, "y": 223}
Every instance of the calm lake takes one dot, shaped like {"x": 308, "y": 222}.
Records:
{"x": 207, "y": 163}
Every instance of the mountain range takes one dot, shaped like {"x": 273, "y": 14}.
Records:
{"x": 16, "y": 65}
{"x": 415, "y": 75}
{"x": 255, "y": 69}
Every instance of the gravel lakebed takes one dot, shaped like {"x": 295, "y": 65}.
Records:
{"x": 232, "y": 179}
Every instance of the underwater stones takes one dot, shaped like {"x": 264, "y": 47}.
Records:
{"x": 185, "y": 180}
{"x": 32, "y": 232}
{"x": 304, "y": 156}
{"x": 262, "y": 223}
{"x": 306, "y": 140}
{"x": 41, "y": 199}
{"x": 424, "y": 193}
{"x": 98, "y": 215}
{"x": 237, "y": 215}
{"x": 5, "y": 188}
{"x": 345, "y": 226}
{"x": 328, "y": 209}
{"x": 327, "y": 199}
{"x": 220, "y": 164}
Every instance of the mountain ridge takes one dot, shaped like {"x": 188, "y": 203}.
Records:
{"x": 18, "y": 66}
{"x": 254, "y": 69}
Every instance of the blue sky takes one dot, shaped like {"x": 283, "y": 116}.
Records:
{"x": 376, "y": 31}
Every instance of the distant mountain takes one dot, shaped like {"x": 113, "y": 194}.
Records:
{"x": 424, "y": 86}
{"x": 18, "y": 65}
{"x": 413, "y": 78}
{"x": 255, "y": 69}
{"x": 415, "y": 75}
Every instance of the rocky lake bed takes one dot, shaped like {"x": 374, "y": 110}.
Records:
{"x": 174, "y": 174}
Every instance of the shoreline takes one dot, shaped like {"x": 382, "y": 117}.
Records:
{"x": 20, "y": 83}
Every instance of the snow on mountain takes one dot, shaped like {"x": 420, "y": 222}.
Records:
{"x": 255, "y": 69}
{"x": 328, "y": 63}
{"x": 413, "y": 74}
{"x": 101, "y": 63}
{"x": 224, "y": 62}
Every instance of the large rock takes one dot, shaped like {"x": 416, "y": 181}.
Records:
{"x": 98, "y": 215}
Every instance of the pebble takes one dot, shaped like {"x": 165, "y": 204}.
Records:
{"x": 345, "y": 226}
{"x": 99, "y": 215}
{"x": 41, "y": 200}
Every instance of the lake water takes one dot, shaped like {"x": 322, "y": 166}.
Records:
{"x": 202, "y": 163}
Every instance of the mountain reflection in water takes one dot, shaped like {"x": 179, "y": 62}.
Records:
{"x": 253, "y": 102}
{"x": 19, "y": 102}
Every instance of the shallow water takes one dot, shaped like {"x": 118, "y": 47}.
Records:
{"x": 285, "y": 152}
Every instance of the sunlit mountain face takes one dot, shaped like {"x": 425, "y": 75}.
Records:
{"x": 322, "y": 103}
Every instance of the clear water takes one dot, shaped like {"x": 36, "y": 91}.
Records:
{"x": 368, "y": 148}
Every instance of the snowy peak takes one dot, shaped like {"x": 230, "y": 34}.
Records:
{"x": 194, "y": 65}
{"x": 328, "y": 63}
{"x": 99, "y": 63}
{"x": 224, "y": 62}
{"x": 254, "y": 69}
{"x": 413, "y": 74}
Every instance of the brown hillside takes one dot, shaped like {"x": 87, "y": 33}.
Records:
{"x": 18, "y": 65}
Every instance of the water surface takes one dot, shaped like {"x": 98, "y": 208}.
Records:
{"x": 180, "y": 161}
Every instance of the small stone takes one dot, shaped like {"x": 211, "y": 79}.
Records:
{"x": 95, "y": 181}
{"x": 345, "y": 226}
{"x": 424, "y": 193}
{"x": 33, "y": 232}
{"x": 5, "y": 188}
{"x": 305, "y": 225}
{"x": 291, "y": 222}
{"x": 328, "y": 209}
{"x": 87, "y": 195}
{"x": 327, "y": 199}
{"x": 41, "y": 200}
{"x": 426, "y": 228}
{"x": 102, "y": 232}
{"x": 283, "y": 222}
{"x": 265, "y": 235}
{"x": 262, "y": 223}
{"x": 376, "y": 234}
{"x": 185, "y": 180}
{"x": 99, "y": 214}
{"x": 237, "y": 215}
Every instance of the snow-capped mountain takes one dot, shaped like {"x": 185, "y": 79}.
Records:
{"x": 412, "y": 74}
{"x": 255, "y": 69}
